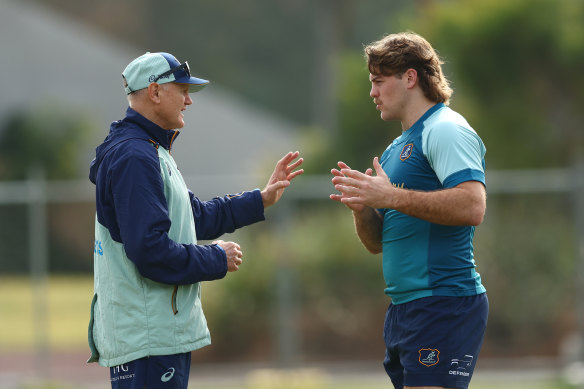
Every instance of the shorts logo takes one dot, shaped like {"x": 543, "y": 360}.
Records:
{"x": 168, "y": 375}
{"x": 429, "y": 356}
{"x": 121, "y": 373}
{"x": 459, "y": 366}
{"x": 406, "y": 151}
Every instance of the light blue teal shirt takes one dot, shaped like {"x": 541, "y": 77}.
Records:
{"x": 420, "y": 258}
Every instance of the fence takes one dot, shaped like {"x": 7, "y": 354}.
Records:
{"x": 36, "y": 193}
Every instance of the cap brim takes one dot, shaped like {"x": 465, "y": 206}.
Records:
{"x": 195, "y": 84}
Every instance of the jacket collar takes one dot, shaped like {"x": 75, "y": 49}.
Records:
{"x": 155, "y": 132}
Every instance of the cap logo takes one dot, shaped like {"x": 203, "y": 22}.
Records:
{"x": 153, "y": 77}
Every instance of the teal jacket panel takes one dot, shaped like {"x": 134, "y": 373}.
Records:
{"x": 133, "y": 316}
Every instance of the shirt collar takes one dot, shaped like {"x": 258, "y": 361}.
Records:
{"x": 426, "y": 115}
{"x": 158, "y": 134}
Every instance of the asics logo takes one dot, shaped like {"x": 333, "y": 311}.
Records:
{"x": 168, "y": 375}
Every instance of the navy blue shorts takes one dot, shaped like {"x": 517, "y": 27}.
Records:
{"x": 155, "y": 372}
{"x": 434, "y": 341}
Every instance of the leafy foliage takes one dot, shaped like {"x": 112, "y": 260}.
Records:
{"x": 517, "y": 70}
{"x": 47, "y": 138}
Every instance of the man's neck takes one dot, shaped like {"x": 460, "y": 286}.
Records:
{"x": 415, "y": 112}
{"x": 148, "y": 113}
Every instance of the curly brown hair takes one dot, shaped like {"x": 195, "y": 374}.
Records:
{"x": 394, "y": 54}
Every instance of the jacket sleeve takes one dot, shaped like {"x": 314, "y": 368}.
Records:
{"x": 221, "y": 215}
{"x": 142, "y": 217}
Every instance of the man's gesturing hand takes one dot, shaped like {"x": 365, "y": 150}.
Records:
{"x": 281, "y": 177}
{"x": 339, "y": 197}
{"x": 363, "y": 189}
{"x": 233, "y": 252}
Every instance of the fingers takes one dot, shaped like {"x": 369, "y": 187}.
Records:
{"x": 353, "y": 173}
{"x": 294, "y": 174}
{"x": 378, "y": 169}
{"x": 285, "y": 160}
{"x": 337, "y": 173}
{"x": 350, "y": 177}
{"x": 348, "y": 187}
{"x": 348, "y": 181}
{"x": 289, "y": 168}
{"x": 291, "y": 156}
{"x": 348, "y": 191}
{"x": 234, "y": 259}
{"x": 285, "y": 168}
{"x": 344, "y": 168}
{"x": 346, "y": 171}
{"x": 336, "y": 197}
{"x": 233, "y": 253}
{"x": 354, "y": 204}
{"x": 278, "y": 185}
{"x": 341, "y": 182}
{"x": 295, "y": 164}
{"x": 343, "y": 165}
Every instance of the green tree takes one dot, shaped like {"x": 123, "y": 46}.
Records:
{"x": 52, "y": 139}
{"x": 517, "y": 72}
{"x": 49, "y": 138}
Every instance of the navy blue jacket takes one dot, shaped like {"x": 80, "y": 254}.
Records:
{"x": 130, "y": 203}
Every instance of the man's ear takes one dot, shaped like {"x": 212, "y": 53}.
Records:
{"x": 154, "y": 92}
{"x": 411, "y": 76}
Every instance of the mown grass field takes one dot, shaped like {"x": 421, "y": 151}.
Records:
{"x": 64, "y": 304}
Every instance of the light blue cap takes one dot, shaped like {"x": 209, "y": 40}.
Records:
{"x": 156, "y": 67}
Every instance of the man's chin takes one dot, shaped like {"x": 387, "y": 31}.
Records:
{"x": 386, "y": 117}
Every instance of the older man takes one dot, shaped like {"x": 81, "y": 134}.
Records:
{"x": 146, "y": 314}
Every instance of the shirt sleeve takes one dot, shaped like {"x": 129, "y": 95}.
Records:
{"x": 221, "y": 215}
{"x": 455, "y": 153}
{"x": 142, "y": 218}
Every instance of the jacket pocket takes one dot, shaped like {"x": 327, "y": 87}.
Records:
{"x": 173, "y": 300}
{"x": 94, "y": 353}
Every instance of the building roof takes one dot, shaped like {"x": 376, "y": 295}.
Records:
{"x": 48, "y": 58}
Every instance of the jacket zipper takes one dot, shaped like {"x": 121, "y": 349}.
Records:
{"x": 172, "y": 141}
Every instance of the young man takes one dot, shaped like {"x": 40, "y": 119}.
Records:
{"x": 420, "y": 210}
{"x": 146, "y": 314}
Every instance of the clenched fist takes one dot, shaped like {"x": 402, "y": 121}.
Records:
{"x": 233, "y": 252}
